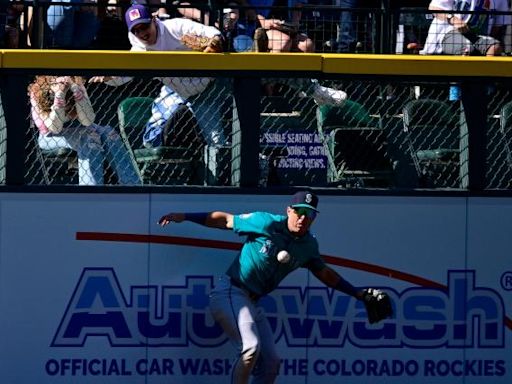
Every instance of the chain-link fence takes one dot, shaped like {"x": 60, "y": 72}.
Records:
{"x": 3, "y": 142}
{"x": 343, "y": 134}
{"x": 380, "y": 135}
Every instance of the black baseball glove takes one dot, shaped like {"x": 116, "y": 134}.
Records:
{"x": 378, "y": 305}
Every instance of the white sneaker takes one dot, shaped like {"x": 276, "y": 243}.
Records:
{"x": 329, "y": 96}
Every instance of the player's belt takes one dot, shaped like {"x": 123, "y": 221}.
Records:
{"x": 253, "y": 296}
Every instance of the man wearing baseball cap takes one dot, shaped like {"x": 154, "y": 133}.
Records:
{"x": 305, "y": 199}
{"x": 148, "y": 33}
{"x": 275, "y": 246}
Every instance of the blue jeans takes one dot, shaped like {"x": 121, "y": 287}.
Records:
{"x": 206, "y": 107}
{"x": 70, "y": 26}
{"x": 347, "y": 35}
{"x": 94, "y": 145}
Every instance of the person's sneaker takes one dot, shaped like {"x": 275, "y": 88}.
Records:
{"x": 260, "y": 41}
{"x": 329, "y": 96}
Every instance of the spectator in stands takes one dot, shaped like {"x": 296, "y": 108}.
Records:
{"x": 71, "y": 26}
{"x": 276, "y": 34}
{"x": 347, "y": 31}
{"x": 9, "y": 24}
{"x": 149, "y": 33}
{"x": 479, "y": 34}
{"x": 197, "y": 10}
{"x": 112, "y": 30}
{"x": 234, "y": 27}
{"x": 238, "y": 33}
{"x": 62, "y": 112}
{"x": 322, "y": 95}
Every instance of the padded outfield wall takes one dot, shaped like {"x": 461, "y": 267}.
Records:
{"x": 93, "y": 290}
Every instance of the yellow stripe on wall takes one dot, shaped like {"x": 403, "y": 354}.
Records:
{"x": 350, "y": 64}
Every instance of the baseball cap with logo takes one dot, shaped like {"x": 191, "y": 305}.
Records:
{"x": 305, "y": 199}
{"x": 137, "y": 14}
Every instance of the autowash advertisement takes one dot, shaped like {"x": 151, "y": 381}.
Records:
{"x": 92, "y": 290}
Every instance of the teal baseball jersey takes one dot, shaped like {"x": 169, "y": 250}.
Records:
{"x": 256, "y": 266}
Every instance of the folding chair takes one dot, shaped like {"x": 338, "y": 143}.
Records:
{"x": 355, "y": 145}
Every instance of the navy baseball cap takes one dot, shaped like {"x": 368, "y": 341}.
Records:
{"x": 305, "y": 199}
{"x": 137, "y": 14}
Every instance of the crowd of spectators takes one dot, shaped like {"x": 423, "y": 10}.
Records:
{"x": 290, "y": 25}
{"x": 342, "y": 26}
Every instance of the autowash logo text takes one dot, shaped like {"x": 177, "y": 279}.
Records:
{"x": 462, "y": 316}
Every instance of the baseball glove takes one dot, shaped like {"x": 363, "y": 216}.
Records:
{"x": 203, "y": 44}
{"x": 378, "y": 305}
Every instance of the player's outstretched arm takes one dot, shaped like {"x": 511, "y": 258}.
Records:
{"x": 216, "y": 219}
{"x": 377, "y": 303}
{"x": 332, "y": 279}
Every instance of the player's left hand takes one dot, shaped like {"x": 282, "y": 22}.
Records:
{"x": 377, "y": 303}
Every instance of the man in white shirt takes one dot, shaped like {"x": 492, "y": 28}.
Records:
{"x": 148, "y": 33}
{"x": 479, "y": 34}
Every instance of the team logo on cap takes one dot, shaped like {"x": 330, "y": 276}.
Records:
{"x": 308, "y": 198}
{"x": 134, "y": 14}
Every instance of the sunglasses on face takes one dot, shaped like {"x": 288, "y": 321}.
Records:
{"x": 140, "y": 28}
{"x": 309, "y": 213}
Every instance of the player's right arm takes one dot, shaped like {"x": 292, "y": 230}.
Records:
{"x": 216, "y": 219}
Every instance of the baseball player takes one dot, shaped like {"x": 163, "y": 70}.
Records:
{"x": 275, "y": 246}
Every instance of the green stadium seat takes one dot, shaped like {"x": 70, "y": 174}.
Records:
{"x": 350, "y": 114}
{"x": 180, "y": 162}
{"x": 432, "y": 136}
{"x": 356, "y": 146}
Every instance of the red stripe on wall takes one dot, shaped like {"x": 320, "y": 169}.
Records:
{"x": 229, "y": 245}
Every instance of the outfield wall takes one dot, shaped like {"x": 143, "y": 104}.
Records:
{"x": 93, "y": 290}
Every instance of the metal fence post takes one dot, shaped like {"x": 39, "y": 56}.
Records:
{"x": 15, "y": 106}
{"x": 245, "y": 132}
{"x": 473, "y": 135}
